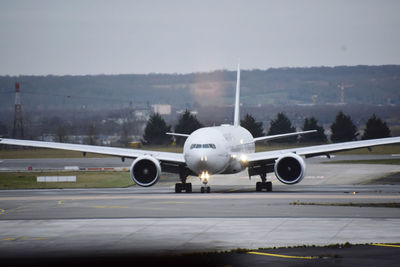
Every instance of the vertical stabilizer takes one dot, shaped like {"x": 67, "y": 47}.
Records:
{"x": 236, "y": 118}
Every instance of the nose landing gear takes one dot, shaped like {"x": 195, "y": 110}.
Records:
{"x": 204, "y": 176}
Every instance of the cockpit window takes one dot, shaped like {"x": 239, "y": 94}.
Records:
{"x": 192, "y": 146}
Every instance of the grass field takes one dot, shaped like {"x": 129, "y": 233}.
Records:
{"x": 367, "y": 161}
{"x": 27, "y": 180}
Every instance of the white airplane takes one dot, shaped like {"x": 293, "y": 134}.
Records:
{"x": 225, "y": 149}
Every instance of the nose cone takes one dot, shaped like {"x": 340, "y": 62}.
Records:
{"x": 201, "y": 160}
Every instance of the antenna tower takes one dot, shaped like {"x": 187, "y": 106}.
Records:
{"x": 342, "y": 87}
{"x": 18, "y": 130}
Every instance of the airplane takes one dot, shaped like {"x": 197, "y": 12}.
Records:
{"x": 225, "y": 149}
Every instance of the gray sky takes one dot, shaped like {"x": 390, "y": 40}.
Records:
{"x": 109, "y": 37}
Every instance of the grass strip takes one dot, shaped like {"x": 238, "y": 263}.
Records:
{"x": 349, "y": 204}
{"x": 27, "y": 180}
{"x": 395, "y": 161}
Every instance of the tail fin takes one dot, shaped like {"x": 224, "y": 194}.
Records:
{"x": 236, "y": 120}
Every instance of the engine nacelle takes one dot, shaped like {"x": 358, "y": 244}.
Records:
{"x": 145, "y": 171}
{"x": 290, "y": 168}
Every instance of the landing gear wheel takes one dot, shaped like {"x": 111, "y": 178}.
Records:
{"x": 263, "y": 185}
{"x": 188, "y": 187}
{"x": 258, "y": 186}
{"x": 180, "y": 186}
{"x": 205, "y": 189}
{"x": 269, "y": 186}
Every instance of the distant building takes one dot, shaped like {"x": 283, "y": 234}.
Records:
{"x": 181, "y": 111}
{"x": 162, "y": 109}
{"x": 141, "y": 114}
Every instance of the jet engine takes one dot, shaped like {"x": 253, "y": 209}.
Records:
{"x": 290, "y": 168}
{"x": 145, "y": 170}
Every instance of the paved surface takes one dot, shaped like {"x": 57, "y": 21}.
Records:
{"x": 137, "y": 223}
{"x": 224, "y": 202}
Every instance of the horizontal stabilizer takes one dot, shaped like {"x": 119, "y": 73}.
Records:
{"x": 278, "y": 136}
{"x": 178, "y": 134}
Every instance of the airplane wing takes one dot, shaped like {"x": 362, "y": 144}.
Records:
{"x": 111, "y": 151}
{"x": 278, "y": 136}
{"x": 313, "y": 151}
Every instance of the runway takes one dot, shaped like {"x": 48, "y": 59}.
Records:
{"x": 156, "y": 221}
{"x": 224, "y": 202}
{"x": 75, "y": 223}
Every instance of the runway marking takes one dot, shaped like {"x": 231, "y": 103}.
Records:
{"x": 170, "y": 202}
{"x": 283, "y": 256}
{"x": 110, "y": 207}
{"x": 155, "y": 196}
{"x": 386, "y": 245}
{"x": 2, "y": 211}
{"x": 25, "y": 238}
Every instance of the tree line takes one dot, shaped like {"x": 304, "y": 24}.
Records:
{"x": 342, "y": 129}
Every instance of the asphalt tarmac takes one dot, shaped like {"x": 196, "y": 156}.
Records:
{"x": 154, "y": 226}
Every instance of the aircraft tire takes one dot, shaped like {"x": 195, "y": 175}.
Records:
{"x": 178, "y": 187}
{"x": 269, "y": 187}
{"x": 258, "y": 186}
{"x": 188, "y": 188}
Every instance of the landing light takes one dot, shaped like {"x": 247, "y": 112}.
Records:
{"x": 204, "y": 176}
{"x": 243, "y": 158}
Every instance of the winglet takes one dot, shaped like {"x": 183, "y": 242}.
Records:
{"x": 236, "y": 120}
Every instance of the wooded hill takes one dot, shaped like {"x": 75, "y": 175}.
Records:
{"x": 376, "y": 85}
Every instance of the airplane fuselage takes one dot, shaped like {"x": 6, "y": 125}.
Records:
{"x": 218, "y": 150}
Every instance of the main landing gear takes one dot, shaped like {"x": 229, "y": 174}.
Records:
{"x": 263, "y": 184}
{"x": 187, "y": 187}
{"x": 183, "y": 186}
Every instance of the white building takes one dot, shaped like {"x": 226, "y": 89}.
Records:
{"x": 162, "y": 109}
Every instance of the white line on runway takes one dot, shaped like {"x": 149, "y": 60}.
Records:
{"x": 209, "y": 196}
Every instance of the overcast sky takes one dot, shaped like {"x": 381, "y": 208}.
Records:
{"x": 111, "y": 37}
